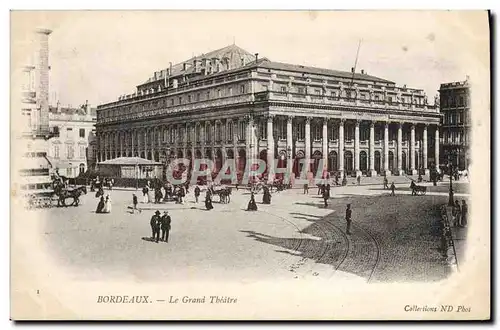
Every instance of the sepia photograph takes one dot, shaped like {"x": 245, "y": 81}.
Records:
{"x": 250, "y": 165}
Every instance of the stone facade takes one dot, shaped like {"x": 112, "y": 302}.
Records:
{"x": 456, "y": 123}
{"x": 72, "y": 147}
{"x": 355, "y": 122}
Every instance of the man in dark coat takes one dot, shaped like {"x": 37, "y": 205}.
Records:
{"x": 165, "y": 226}
{"x": 326, "y": 196}
{"x": 197, "y": 193}
{"x": 393, "y": 187}
{"x": 100, "y": 206}
{"x": 348, "y": 218}
{"x": 386, "y": 183}
{"x": 465, "y": 213}
{"x": 155, "y": 226}
{"x": 208, "y": 201}
{"x": 266, "y": 198}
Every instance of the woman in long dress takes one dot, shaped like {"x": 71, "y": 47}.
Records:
{"x": 266, "y": 198}
{"x": 107, "y": 205}
{"x": 100, "y": 206}
{"x": 252, "y": 206}
{"x": 208, "y": 201}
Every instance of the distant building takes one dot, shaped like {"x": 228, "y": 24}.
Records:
{"x": 456, "y": 123}
{"x": 231, "y": 104}
{"x": 72, "y": 148}
{"x": 31, "y": 134}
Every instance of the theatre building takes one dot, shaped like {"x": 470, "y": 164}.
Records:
{"x": 231, "y": 104}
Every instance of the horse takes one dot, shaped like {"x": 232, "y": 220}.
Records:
{"x": 64, "y": 194}
{"x": 224, "y": 194}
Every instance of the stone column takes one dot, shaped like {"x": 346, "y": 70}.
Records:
{"x": 325, "y": 144}
{"x": 145, "y": 134}
{"x": 424, "y": 147}
{"x": 289, "y": 144}
{"x": 400, "y": 148}
{"x": 270, "y": 149}
{"x": 412, "y": 150}
{"x": 132, "y": 142}
{"x": 308, "y": 144}
{"x": 372, "y": 150}
{"x": 386, "y": 149}
{"x": 356, "y": 149}
{"x": 436, "y": 146}
{"x": 249, "y": 141}
{"x": 340, "y": 157}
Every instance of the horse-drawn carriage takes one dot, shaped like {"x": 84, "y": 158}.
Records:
{"x": 417, "y": 190}
{"x": 223, "y": 192}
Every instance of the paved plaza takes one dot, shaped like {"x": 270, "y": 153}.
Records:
{"x": 394, "y": 238}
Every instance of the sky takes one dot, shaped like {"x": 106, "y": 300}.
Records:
{"x": 100, "y": 55}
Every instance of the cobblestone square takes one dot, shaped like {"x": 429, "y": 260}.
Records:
{"x": 394, "y": 238}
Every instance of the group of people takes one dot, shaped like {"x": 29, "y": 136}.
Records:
{"x": 104, "y": 205}
{"x": 160, "y": 223}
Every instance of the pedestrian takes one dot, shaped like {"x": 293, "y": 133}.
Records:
{"x": 266, "y": 198}
{"x": 393, "y": 187}
{"x": 386, "y": 183}
{"x": 134, "y": 202}
{"x": 155, "y": 228}
{"x": 165, "y": 226}
{"x": 326, "y": 196}
{"x": 100, "y": 205}
{"x": 107, "y": 205}
{"x": 306, "y": 188}
{"x": 197, "y": 193}
{"x": 359, "y": 179}
{"x": 348, "y": 218}
{"x": 252, "y": 206}
{"x": 208, "y": 201}
{"x": 465, "y": 214}
{"x": 457, "y": 213}
{"x": 145, "y": 195}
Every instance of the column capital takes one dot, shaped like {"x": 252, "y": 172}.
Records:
{"x": 270, "y": 117}
{"x": 308, "y": 119}
{"x": 357, "y": 122}
{"x": 290, "y": 119}
{"x": 386, "y": 124}
{"x": 372, "y": 124}
{"x": 342, "y": 121}
{"x": 325, "y": 120}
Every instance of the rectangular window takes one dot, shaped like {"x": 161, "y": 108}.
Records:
{"x": 198, "y": 97}
{"x": 283, "y": 89}
{"x": 56, "y": 130}
{"x": 229, "y": 134}
{"x": 82, "y": 132}
{"x": 242, "y": 89}
{"x": 317, "y": 91}
{"x": 69, "y": 132}
{"x": 70, "y": 151}
{"x": 56, "y": 151}
{"x": 300, "y": 128}
{"x": 208, "y": 95}
{"x": 317, "y": 132}
{"x": 171, "y": 101}
{"x": 180, "y": 100}
{"x": 189, "y": 98}
{"x": 219, "y": 93}
{"x": 82, "y": 152}
{"x": 300, "y": 90}
{"x": 230, "y": 91}
{"x": 461, "y": 101}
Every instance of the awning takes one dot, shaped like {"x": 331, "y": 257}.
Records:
{"x": 130, "y": 161}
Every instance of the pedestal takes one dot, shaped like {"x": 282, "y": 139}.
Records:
{"x": 427, "y": 172}
{"x": 388, "y": 173}
{"x": 414, "y": 172}
{"x": 359, "y": 173}
{"x": 372, "y": 173}
{"x": 401, "y": 172}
